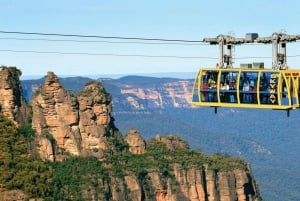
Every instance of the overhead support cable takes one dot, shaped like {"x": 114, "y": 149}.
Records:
{"x": 106, "y": 54}
{"x": 98, "y": 41}
{"x": 96, "y": 36}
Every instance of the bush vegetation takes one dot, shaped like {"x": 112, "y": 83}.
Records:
{"x": 74, "y": 177}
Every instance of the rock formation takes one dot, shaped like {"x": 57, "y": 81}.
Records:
{"x": 94, "y": 112}
{"x": 172, "y": 142}
{"x": 135, "y": 141}
{"x": 64, "y": 122}
{"x": 12, "y": 103}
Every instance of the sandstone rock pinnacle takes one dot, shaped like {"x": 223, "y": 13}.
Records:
{"x": 135, "y": 141}
{"x": 12, "y": 102}
{"x": 78, "y": 124}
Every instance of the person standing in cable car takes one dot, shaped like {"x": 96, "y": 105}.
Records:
{"x": 246, "y": 86}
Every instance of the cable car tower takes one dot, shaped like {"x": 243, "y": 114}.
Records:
{"x": 278, "y": 41}
{"x": 251, "y": 85}
{"x": 228, "y": 42}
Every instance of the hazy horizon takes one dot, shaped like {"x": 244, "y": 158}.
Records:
{"x": 180, "y": 75}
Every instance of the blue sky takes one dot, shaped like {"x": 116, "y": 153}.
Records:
{"x": 167, "y": 19}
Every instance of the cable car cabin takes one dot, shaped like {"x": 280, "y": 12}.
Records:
{"x": 247, "y": 88}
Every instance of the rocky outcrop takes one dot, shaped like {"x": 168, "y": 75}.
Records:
{"x": 55, "y": 119}
{"x": 64, "y": 122}
{"x": 12, "y": 102}
{"x": 94, "y": 112}
{"x": 172, "y": 142}
{"x": 135, "y": 141}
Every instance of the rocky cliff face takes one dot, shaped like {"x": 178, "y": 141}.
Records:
{"x": 203, "y": 183}
{"x": 78, "y": 125}
{"x": 170, "y": 93}
{"x": 184, "y": 183}
{"x": 197, "y": 185}
{"x": 164, "y": 96}
{"x": 12, "y": 103}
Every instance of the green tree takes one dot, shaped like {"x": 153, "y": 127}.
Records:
{"x": 18, "y": 169}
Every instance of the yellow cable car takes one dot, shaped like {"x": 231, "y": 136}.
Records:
{"x": 247, "y": 87}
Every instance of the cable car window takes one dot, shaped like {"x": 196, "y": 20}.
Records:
{"x": 248, "y": 87}
{"x": 283, "y": 88}
{"x": 284, "y": 91}
{"x": 208, "y": 90}
{"x": 228, "y": 92}
{"x": 268, "y": 88}
{"x": 293, "y": 90}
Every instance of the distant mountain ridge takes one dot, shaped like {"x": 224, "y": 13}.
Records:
{"x": 179, "y": 75}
